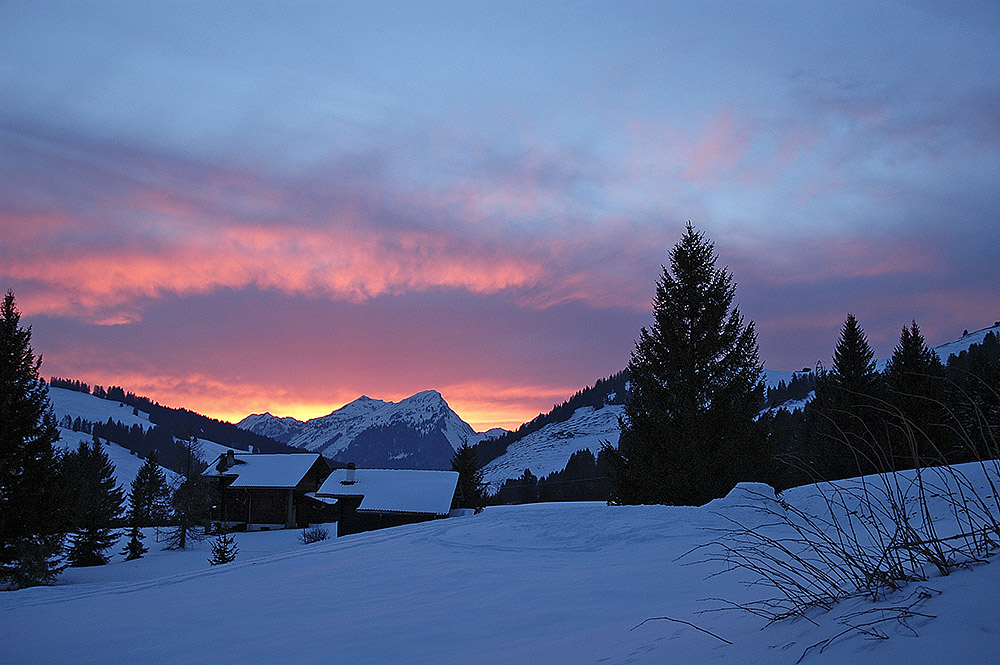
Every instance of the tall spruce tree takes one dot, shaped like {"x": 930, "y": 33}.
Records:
{"x": 192, "y": 499}
{"x": 840, "y": 417}
{"x": 853, "y": 371}
{"x": 149, "y": 499}
{"x": 149, "y": 504}
{"x": 688, "y": 433}
{"x": 32, "y": 504}
{"x": 471, "y": 490}
{"x": 914, "y": 386}
{"x": 99, "y": 503}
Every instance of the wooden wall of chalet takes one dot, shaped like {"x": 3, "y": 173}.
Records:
{"x": 270, "y": 506}
{"x": 261, "y": 506}
{"x": 351, "y": 521}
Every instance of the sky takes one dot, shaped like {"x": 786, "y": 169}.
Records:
{"x": 238, "y": 207}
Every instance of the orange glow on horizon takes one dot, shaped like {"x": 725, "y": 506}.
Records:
{"x": 484, "y": 405}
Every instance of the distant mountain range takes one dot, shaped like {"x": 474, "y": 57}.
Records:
{"x": 419, "y": 432}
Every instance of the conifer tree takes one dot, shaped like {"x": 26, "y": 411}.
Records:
{"x": 853, "y": 371}
{"x": 224, "y": 549}
{"x": 471, "y": 490}
{"x": 150, "y": 495}
{"x": 914, "y": 385}
{"x": 840, "y": 415}
{"x": 149, "y": 504}
{"x": 32, "y": 504}
{"x": 192, "y": 500}
{"x": 98, "y": 502}
{"x": 134, "y": 549}
{"x": 974, "y": 396}
{"x": 688, "y": 432}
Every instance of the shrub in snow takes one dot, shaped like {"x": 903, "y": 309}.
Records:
{"x": 224, "y": 549}
{"x": 873, "y": 535}
{"x": 314, "y": 534}
{"x": 134, "y": 549}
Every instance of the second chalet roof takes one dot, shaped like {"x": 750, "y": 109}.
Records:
{"x": 395, "y": 490}
{"x": 273, "y": 470}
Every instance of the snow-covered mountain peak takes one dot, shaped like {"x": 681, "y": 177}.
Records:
{"x": 266, "y": 424}
{"x": 420, "y": 431}
{"x": 361, "y": 405}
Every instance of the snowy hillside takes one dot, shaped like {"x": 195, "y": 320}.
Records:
{"x": 488, "y": 434}
{"x": 548, "y": 449}
{"x": 126, "y": 463}
{"x": 538, "y": 583}
{"x": 87, "y": 407}
{"x": 774, "y": 376}
{"x": 964, "y": 342}
{"x": 420, "y": 431}
{"x": 72, "y": 404}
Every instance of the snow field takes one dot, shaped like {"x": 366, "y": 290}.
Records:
{"x": 553, "y": 583}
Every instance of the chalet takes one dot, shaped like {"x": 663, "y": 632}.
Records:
{"x": 377, "y": 498}
{"x": 257, "y": 492}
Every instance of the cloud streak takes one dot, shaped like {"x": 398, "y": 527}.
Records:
{"x": 231, "y": 229}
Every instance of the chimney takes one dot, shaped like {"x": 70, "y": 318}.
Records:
{"x": 230, "y": 459}
{"x": 349, "y": 480}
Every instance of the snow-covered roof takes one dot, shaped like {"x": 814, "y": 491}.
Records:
{"x": 278, "y": 470}
{"x": 395, "y": 490}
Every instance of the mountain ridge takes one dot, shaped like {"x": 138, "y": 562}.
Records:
{"x": 419, "y": 431}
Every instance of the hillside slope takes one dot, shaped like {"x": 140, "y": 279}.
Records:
{"x": 72, "y": 404}
{"x": 126, "y": 463}
{"x": 548, "y": 449}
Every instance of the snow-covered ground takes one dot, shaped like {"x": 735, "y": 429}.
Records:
{"x": 541, "y": 583}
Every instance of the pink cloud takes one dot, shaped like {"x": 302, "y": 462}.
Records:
{"x": 344, "y": 262}
{"x": 131, "y": 244}
{"x": 718, "y": 151}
